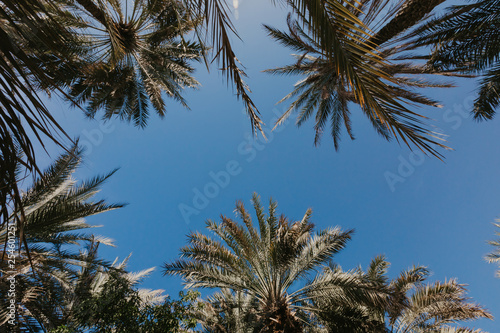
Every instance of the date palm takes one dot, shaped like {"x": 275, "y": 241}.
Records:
{"x": 381, "y": 81}
{"x": 273, "y": 267}
{"x": 128, "y": 58}
{"x": 494, "y": 257}
{"x": 416, "y": 306}
{"x": 54, "y": 210}
{"x": 436, "y": 307}
{"x": 25, "y": 25}
{"x": 420, "y": 307}
{"x": 466, "y": 39}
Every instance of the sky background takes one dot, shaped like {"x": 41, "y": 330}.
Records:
{"x": 437, "y": 214}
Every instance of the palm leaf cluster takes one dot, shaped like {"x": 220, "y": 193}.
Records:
{"x": 494, "y": 257}
{"x": 371, "y": 66}
{"x": 50, "y": 260}
{"x": 128, "y": 59}
{"x": 279, "y": 277}
{"x": 270, "y": 270}
{"x": 219, "y": 30}
{"x": 466, "y": 39}
{"x": 419, "y": 306}
{"x": 25, "y": 25}
{"x": 416, "y": 306}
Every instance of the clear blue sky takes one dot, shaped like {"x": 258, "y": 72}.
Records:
{"x": 436, "y": 214}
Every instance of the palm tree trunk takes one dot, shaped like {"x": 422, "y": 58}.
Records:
{"x": 410, "y": 13}
{"x": 93, "y": 10}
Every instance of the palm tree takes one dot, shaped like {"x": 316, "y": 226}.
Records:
{"x": 420, "y": 307}
{"x": 381, "y": 81}
{"x": 271, "y": 269}
{"x": 311, "y": 13}
{"x": 25, "y": 25}
{"x": 127, "y": 59}
{"x": 436, "y": 307}
{"x": 54, "y": 210}
{"x": 415, "y": 306}
{"x": 466, "y": 40}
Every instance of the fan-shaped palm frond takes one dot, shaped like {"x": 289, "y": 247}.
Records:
{"x": 366, "y": 69}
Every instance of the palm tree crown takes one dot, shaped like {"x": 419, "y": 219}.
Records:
{"x": 466, "y": 39}
{"x": 129, "y": 58}
{"x": 55, "y": 207}
{"x": 272, "y": 267}
{"x": 376, "y": 79}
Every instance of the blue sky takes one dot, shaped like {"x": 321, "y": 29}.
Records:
{"x": 433, "y": 213}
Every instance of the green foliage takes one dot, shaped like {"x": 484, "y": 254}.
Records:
{"x": 466, "y": 39}
{"x": 54, "y": 251}
{"x": 268, "y": 274}
{"x": 371, "y": 67}
{"x": 126, "y": 62}
{"x": 118, "y": 308}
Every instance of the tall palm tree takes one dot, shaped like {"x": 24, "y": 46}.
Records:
{"x": 273, "y": 266}
{"x": 466, "y": 39}
{"x": 382, "y": 81}
{"x": 54, "y": 210}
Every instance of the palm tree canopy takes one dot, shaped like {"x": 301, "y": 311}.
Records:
{"x": 416, "y": 306}
{"x": 467, "y": 39}
{"x": 381, "y": 80}
{"x": 128, "y": 58}
{"x": 273, "y": 264}
{"x": 419, "y": 306}
{"x": 55, "y": 208}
